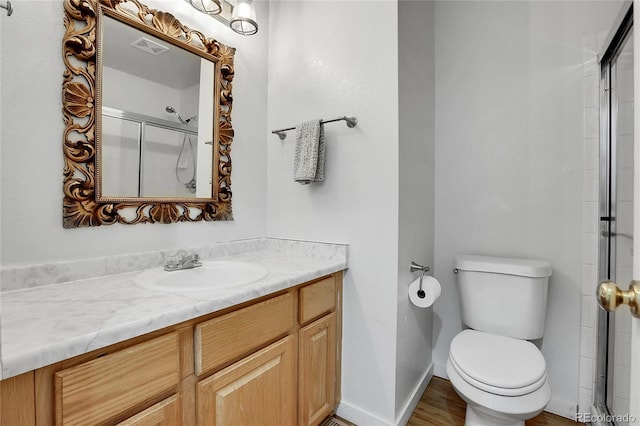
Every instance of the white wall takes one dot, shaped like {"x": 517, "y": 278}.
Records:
{"x": 132, "y": 93}
{"x": 509, "y": 120}
{"x": 32, "y": 161}
{"x": 329, "y": 59}
{"x": 416, "y": 196}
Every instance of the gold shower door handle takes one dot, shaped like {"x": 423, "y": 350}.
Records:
{"x": 610, "y": 296}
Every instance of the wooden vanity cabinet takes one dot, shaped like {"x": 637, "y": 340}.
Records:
{"x": 97, "y": 391}
{"x": 272, "y": 361}
{"x": 17, "y": 400}
{"x": 164, "y": 413}
{"x": 258, "y": 390}
{"x": 230, "y": 336}
{"x": 317, "y": 370}
{"x": 318, "y": 355}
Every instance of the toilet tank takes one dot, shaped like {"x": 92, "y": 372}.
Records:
{"x": 503, "y": 296}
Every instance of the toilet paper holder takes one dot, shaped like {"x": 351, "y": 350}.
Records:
{"x": 416, "y": 267}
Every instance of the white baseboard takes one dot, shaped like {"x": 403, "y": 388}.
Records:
{"x": 359, "y": 416}
{"x": 562, "y": 408}
{"x": 412, "y": 402}
{"x": 440, "y": 370}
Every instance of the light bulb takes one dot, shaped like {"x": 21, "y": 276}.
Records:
{"x": 210, "y": 7}
{"x": 243, "y": 19}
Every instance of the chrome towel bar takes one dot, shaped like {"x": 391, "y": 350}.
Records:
{"x": 351, "y": 123}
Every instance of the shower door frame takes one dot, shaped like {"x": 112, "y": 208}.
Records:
{"x": 607, "y": 210}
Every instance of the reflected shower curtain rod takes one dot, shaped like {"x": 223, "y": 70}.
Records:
{"x": 351, "y": 123}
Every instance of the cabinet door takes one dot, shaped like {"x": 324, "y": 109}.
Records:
{"x": 164, "y": 413}
{"x": 258, "y": 390}
{"x": 317, "y": 373}
{"x": 17, "y": 400}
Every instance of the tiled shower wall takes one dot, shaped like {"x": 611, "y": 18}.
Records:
{"x": 590, "y": 189}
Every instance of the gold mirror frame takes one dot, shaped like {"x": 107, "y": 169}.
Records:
{"x": 81, "y": 103}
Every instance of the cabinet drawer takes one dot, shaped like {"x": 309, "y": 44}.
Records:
{"x": 164, "y": 413}
{"x": 317, "y": 299}
{"x": 99, "y": 390}
{"x": 238, "y": 333}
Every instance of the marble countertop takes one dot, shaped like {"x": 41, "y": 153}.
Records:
{"x": 49, "y": 323}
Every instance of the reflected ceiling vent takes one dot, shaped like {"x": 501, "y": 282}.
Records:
{"x": 149, "y": 46}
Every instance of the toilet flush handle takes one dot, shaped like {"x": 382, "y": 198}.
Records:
{"x": 610, "y": 296}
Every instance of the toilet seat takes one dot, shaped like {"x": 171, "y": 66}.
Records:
{"x": 497, "y": 364}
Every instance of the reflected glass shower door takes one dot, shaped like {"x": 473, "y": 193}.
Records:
{"x": 616, "y": 224}
{"x": 144, "y": 156}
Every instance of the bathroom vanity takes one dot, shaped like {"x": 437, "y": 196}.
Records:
{"x": 266, "y": 353}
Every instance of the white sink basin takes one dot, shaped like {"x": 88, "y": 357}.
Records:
{"x": 212, "y": 275}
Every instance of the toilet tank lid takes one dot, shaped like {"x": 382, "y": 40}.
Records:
{"x": 503, "y": 265}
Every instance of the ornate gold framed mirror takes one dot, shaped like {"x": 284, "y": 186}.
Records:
{"x": 147, "y": 109}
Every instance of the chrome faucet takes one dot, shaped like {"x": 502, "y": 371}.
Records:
{"x": 182, "y": 261}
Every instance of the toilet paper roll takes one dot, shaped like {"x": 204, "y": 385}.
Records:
{"x": 431, "y": 288}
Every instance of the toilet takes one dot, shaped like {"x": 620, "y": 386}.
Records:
{"x": 492, "y": 365}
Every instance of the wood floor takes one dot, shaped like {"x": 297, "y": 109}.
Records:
{"x": 440, "y": 405}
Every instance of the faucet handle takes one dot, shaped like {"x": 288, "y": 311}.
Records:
{"x": 196, "y": 259}
{"x": 172, "y": 262}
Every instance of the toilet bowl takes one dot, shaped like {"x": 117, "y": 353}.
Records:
{"x": 492, "y": 366}
{"x": 503, "y": 380}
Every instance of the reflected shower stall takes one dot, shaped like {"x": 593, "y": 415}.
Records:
{"x": 143, "y": 156}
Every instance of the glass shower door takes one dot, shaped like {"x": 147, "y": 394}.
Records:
{"x": 616, "y": 225}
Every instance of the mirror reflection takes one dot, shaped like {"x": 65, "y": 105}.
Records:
{"x": 155, "y": 138}
{"x": 147, "y": 134}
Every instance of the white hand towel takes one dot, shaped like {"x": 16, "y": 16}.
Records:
{"x": 308, "y": 163}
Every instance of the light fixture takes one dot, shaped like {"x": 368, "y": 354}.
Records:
{"x": 237, "y": 14}
{"x": 243, "y": 19}
{"x": 210, "y": 7}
